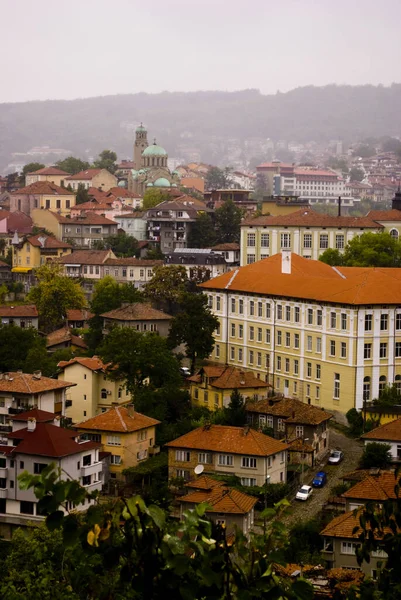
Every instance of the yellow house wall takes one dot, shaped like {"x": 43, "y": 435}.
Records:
{"x": 53, "y": 200}
{"x": 217, "y": 398}
{"x": 130, "y": 446}
{"x": 45, "y": 218}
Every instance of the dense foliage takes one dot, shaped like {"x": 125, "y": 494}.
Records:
{"x": 366, "y": 250}
{"x": 375, "y": 454}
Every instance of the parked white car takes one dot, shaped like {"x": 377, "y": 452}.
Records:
{"x": 304, "y": 493}
{"x": 335, "y": 457}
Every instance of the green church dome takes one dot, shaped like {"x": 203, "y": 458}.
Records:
{"x": 140, "y": 129}
{"x": 154, "y": 150}
{"x": 122, "y": 183}
{"x": 162, "y": 182}
{"x": 149, "y": 184}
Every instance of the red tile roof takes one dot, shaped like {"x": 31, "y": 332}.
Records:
{"x": 229, "y": 378}
{"x": 344, "y": 526}
{"x": 4, "y": 264}
{"x": 85, "y": 257}
{"x": 222, "y": 500}
{"x": 390, "y": 432}
{"x": 43, "y": 187}
{"x": 233, "y": 440}
{"x": 133, "y": 262}
{"x": 313, "y": 280}
{"x": 25, "y": 383}
{"x": 49, "y": 171}
{"x": 88, "y": 174}
{"x": 307, "y": 217}
{"x": 123, "y": 193}
{"x": 78, "y": 314}
{"x": 64, "y": 335}
{"x": 23, "y": 310}
{"x": 94, "y": 363}
{"x": 44, "y": 241}
{"x": 137, "y": 312}
{"x": 41, "y": 416}
{"x": 373, "y": 488}
{"x": 49, "y": 440}
{"x": 119, "y": 419}
{"x": 290, "y": 409}
{"x": 227, "y": 247}
{"x": 204, "y": 483}
{"x": 85, "y": 218}
{"x": 384, "y": 215}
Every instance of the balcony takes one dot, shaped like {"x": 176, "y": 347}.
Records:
{"x": 91, "y": 469}
{"x": 3, "y": 472}
{"x": 17, "y": 410}
{"x": 5, "y": 428}
{"x": 95, "y": 485}
{"x": 3, "y": 493}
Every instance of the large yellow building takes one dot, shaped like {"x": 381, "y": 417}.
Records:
{"x": 128, "y": 435}
{"x": 330, "y": 336}
{"x": 44, "y": 195}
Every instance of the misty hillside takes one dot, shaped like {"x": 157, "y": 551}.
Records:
{"x": 206, "y": 121}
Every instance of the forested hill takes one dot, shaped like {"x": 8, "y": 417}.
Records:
{"x": 201, "y": 120}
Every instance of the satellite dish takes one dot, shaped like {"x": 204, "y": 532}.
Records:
{"x": 199, "y": 469}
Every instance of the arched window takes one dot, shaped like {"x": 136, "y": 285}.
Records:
{"x": 382, "y": 383}
{"x": 398, "y": 383}
{"x": 394, "y": 234}
{"x": 153, "y": 162}
{"x": 366, "y": 388}
{"x": 103, "y": 394}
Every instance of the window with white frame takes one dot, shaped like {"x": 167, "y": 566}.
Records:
{"x": 280, "y": 425}
{"x": 250, "y": 259}
{"x": 248, "y": 462}
{"x": 332, "y": 348}
{"x": 279, "y": 363}
{"x": 383, "y": 350}
{"x": 251, "y": 308}
{"x": 343, "y": 350}
{"x": 240, "y": 331}
{"x": 398, "y": 349}
{"x": 264, "y": 240}
{"x": 348, "y": 548}
{"x": 182, "y": 455}
{"x": 368, "y": 322}
{"x": 260, "y": 334}
{"x": 251, "y": 357}
{"x": 296, "y": 340}
{"x": 333, "y": 320}
{"x": 384, "y": 322}
{"x": 205, "y": 458}
{"x": 296, "y": 314}
{"x": 307, "y": 240}
{"x": 279, "y": 337}
{"x": 241, "y": 306}
{"x": 367, "y": 351}
{"x": 296, "y": 367}
{"x": 288, "y": 339}
{"x": 287, "y": 365}
{"x": 299, "y": 431}
{"x": 366, "y": 388}
{"x": 344, "y": 323}
{"x": 310, "y": 316}
{"x": 225, "y": 460}
{"x": 248, "y": 481}
{"x": 232, "y": 352}
{"x": 267, "y": 336}
{"x": 398, "y": 321}
{"x": 339, "y": 242}
{"x": 233, "y": 305}
{"x": 251, "y": 239}
{"x": 279, "y": 312}
{"x": 259, "y": 359}
{"x": 114, "y": 440}
{"x": 217, "y": 302}
{"x": 285, "y": 239}
{"x": 319, "y": 317}
{"x": 240, "y": 355}
{"x": 288, "y": 313}
{"x": 324, "y": 241}
{"x": 309, "y": 369}
{"x": 268, "y": 311}
{"x": 336, "y": 391}
{"x": 309, "y": 343}
{"x": 318, "y": 371}
{"x": 260, "y": 309}
{"x": 232, "y": 329}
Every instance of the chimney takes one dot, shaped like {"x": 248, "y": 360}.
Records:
{"x": 286, "y": 262}
{"x": 37, "y": 374}
{"x": 131, "y": 410}
{"x": 31, "y": 424}
{"x": 339, "y": 206}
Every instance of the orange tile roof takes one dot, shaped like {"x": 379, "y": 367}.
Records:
{"x": 49, "y": 440}
{"x": 228, "y": 246}
{"x": 234, "y": 440}
{"x": 229, "y": 378}
{"x": 307, "y": 217}
{"x": 88, "y": 174}
{"x": 373, "y": 488}
{"x": 123, "y": 193}
{"x": 313, "y": 280}
{"x": 118, "y": 419}
{"x": 64, "y": 335}
{"x": 26, "y": 383}
{"x": 48, "y": 242}
{"x": 137, "y": 312}
{"x": 23, "y": 310}
{"x": 291, "y": 409}
{"x": 222, "y": 500}
{"x": 87, "y": 218}
{"x": 85, "y": 257}
{"x": 94, "y": 363}
{"x": 49, "y": 171}
{"x": 133, "y": 262}
{"x": 343, "y": 526}
{"x": 41, "y": 416}
{"x": 204, "y": 483}
{"x": 43, "y": 187}
{"x": 389, "y": 431}
{"x": 78, "y": 314}
{"x": 385, "y": 215}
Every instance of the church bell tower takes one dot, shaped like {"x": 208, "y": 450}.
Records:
{"x": 141, "y": 143}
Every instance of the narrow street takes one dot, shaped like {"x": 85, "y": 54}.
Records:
{"x": 352, "y": 449}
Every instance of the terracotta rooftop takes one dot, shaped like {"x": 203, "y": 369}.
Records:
{"x": 94, "y": 363}
{"x": 85, "y": 257}
{"x": 227, "y": 247}
{"x": 137, "y": 312}
{"x": 41, "y": 416}
{"x": 43, "y": 187}
{"x": 385, "y": 215}
{"x": 229, "y": 378}
{"x": 135, "y": 214}
{"x": 88, "y": 174}
{"x": 118, "y": 419}
{"x": 93, "y": 206}
{"x": 86, "y": 218}
{"x": 307, "y": 217}
{"x": 64, "y": 335}
{"x": 17, "y": 221}
{"x": 290, "y": 409}
{"x": 373, "y": 488}
{"x": 49, "y": 171}
{"x": 49, "y": 440}
{"x": 4, "y": 264}
{"x": 389, "y": 432}
{"x": 133, "y": 262}
{"x": 46, "y": 241}
{"x": 313, "y": 280}
{"x": 79, "y": 314}
{"x": 222, "y": 500}
{"x": 23, "y": 310}
{"x": 233, "y": 440}
{"x": 25, "y": 383}
{"x": 123, "y": 193}
{"x": 204, "y": 483}
{"x": 344, "y": 525}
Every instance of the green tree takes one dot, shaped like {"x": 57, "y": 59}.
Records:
{"x": 235, "y": 413}
{"x": 218, "y": 178}
{"x": 332, "y": 257}
{"x": 305, "y": 543}
{"x": 389, "y": 396}
{"x": 107, "y": 160}
{"x": 15, "y": 345}
{"x": 153, "y": 196}
{"x": 167, "y": 285}
{"x": 202, "y": 233}
{"x": 54, "y": 294}
{"x": 3, "y": 292}
{"x": 82, "y": 194}
{"x": 228, "y": 222}
{"x": 375, "y": 454}
{"x": 193, "y": 326}
{"x": 356, "y": 174}
{"x": 122, "y": 244}
{"x": 30, "y": 168}
{"x": 373, "y": 250}
{"x": 73, "y": 165}
{"x": 136, "y": 356}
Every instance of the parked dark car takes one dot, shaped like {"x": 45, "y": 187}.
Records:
{"x": 320, "y": 479}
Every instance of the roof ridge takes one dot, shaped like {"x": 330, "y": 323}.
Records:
{"x": 123, "y": 423}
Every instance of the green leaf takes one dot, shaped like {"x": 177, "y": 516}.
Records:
{"x": 54, "y": 520}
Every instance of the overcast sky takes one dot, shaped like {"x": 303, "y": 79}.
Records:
{"x": 80, "y": 48}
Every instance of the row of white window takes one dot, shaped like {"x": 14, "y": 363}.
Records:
{"x": 285, "y": 240}
{"x": 224, "y": 460}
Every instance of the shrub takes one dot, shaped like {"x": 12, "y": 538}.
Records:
{"x": 375, "y": 454}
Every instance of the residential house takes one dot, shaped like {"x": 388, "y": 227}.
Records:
{"x": 85, "y": 264}
{"x": 136, "y": 271}
{"x": 133, "y": 224}
{"x": 32, "y": 448}
{"x": 24, "y": 315}
{"x": 213, "y": 385}
{"x": 97, "y": 178}
{"x": 109, "y": 209}
{"x": 330, "y": 336}
{"x": 127, "y": 197}
{"x": 12, "y": 223}
{"x": 340, "y": 541}
{"x": 50, "y": 174}
{"x": 226, "y": 506}
{"x": 230, "y": 251}
{"x": 216, "y": 198}
{"x": 292, "y": 419}
{"x": 200, "y": 264}
{"x": 127, "y": 434}
{"x": 64, "y": 338}
{"x": 139, "y": 316}
{"x": 372, "y": 488}
{"x": 244, "y": 452}
{"x": 42, "y": 195}
{"x": 95, "y": 391}
{"x": 78, "y": 318}
{"x": 388, "y": 433}
{"x": 5, "y": 273}
{"x": 82, "y": 231}
{"x": 22, "y": 391}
